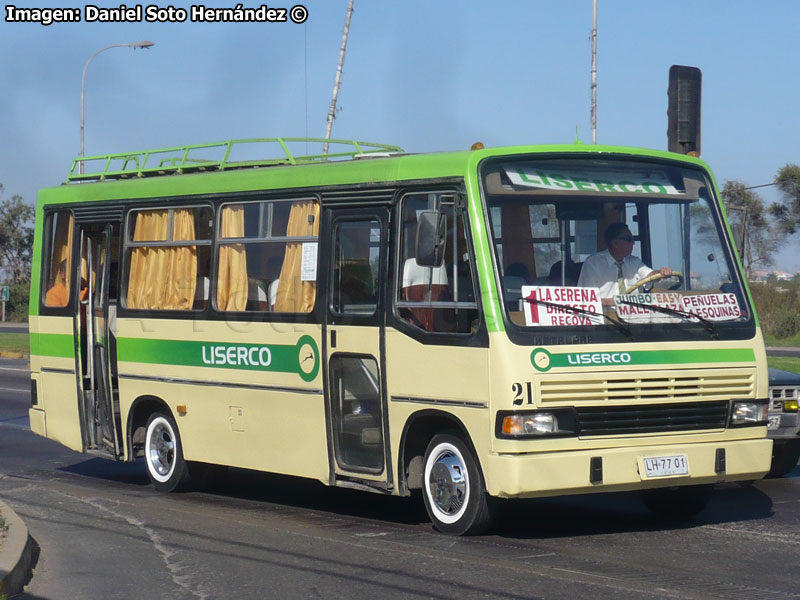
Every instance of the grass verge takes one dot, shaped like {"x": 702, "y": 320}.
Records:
{"x": 786, "y": 363}
{"x": 771, "y": 340}
{"x": 15, "y": 342}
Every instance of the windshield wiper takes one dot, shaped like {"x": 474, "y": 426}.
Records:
{"x": 707, "y": 325}
{"x": 582, "y": 311}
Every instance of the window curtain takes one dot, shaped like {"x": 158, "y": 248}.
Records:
{"x": 163, "y": 277}
{"x": 232, "y": 278}
{"x": 295, "y": 295}
{"x": 182, "y": 263}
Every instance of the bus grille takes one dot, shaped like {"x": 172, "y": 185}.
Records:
{"x": 622, "y": 420}
{"x": 579, "y": 388}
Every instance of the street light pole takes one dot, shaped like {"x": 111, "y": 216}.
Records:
{"x": 134, "y": 45}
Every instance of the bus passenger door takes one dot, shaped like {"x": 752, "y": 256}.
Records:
{"x": 354, "y": 355}
{"x": 99, "y": 403}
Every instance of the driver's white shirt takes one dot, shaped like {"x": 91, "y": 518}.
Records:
{"x": 600, "y": 271}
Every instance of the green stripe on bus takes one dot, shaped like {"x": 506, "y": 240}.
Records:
{"x": 58, "y": 345}
{"x": 544, "y": 360}
{"x": 301, "y": 358}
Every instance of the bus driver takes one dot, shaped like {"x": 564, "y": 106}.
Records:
{"x": 615, "y": 269}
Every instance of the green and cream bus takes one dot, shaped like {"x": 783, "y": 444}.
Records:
{"x": 394, "y": 322}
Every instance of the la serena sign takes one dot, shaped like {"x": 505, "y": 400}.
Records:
{"x": 544, "y": 306}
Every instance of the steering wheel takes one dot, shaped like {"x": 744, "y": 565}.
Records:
{"x": 654, "y": 276}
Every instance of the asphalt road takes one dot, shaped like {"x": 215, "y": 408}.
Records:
{"x": 103, "y": 532}
{"x": 13, "y": 328}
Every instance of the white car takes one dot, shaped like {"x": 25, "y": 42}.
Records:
{"x": 784, "y": 421}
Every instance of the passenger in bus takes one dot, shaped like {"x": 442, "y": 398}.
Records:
{"x": 256, "y": 295}
{"x": 615, "y": 269}
{"x": 58, "y": 295}
{"x": 519, "y": 272}
{"x": 423, "y": 284}
{"x": 274, "y": 266}
{"x": 571, "y": 274}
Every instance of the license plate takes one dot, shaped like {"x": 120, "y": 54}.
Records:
{"x": 774, "y": 422}
{"x": 665, "y": 466}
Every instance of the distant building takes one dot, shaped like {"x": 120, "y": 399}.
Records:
{"x": 763, "y": 276}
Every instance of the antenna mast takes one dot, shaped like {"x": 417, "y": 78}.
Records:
{"x": 594, "y": 72}
{"x": 332, "y": 111}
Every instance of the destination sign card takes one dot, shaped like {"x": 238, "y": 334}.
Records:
{"x": 713, "y": 307}
{"x": 555, "y": 313}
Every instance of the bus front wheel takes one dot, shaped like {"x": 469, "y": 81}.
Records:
{"x": 453, "y": 489}
{"x": 166, "y": 467}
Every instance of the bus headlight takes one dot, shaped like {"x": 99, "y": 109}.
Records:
{"x": 749, "y": 412}
{"x": 535, "y": 423}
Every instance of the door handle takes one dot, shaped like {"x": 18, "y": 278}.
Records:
{"x": 333, "y": 338}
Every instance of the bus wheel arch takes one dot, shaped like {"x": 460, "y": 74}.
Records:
{"x": 140, "y": 412}
{"x": 154, "y": 435}
{"x": 419, "y": 430}
{"x": 437, "y": 456}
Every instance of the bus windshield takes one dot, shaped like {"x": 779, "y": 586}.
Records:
{"x": 591, "y": 243}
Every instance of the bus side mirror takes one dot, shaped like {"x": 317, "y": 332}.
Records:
{"x": 431, "y": 232}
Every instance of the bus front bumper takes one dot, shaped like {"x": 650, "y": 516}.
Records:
{"x": 574, "y": 472}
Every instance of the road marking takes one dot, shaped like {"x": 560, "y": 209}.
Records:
{"x": 15, "y": 426}
{"x": 787, "y": 538}
{"x": 21, "y": 369}
{"x": 5, "y": 389}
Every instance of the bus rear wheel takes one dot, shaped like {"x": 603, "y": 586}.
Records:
{"x": 453, "y": 489}
{"x": 163, "y": 453}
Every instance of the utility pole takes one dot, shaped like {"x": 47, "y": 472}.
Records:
{"x": 332, "y": 111}
{"x": 594, "y": 72}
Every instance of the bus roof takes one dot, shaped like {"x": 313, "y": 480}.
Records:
{"x": 190, "y": 170}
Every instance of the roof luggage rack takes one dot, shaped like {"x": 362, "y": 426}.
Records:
{"x": 219, "y": 156}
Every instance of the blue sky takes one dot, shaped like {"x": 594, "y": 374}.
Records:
{"x": 426, "y": 75}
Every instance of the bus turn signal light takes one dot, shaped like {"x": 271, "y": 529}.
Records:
{"x": 537, "y": 423}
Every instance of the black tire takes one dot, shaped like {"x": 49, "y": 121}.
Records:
{"x": 163, "y": 454}
{"x": 678, "y": 503}
{"x": 784, "y": 458}
{"x": 453, "y": 489}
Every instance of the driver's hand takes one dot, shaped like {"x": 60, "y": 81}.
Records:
{"x": 665, "y": 271}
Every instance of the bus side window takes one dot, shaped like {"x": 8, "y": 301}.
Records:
{"x": 436, "y": 299}
{"x": 263, "y": 245}
{"x": 355, "y": 277}
{"x": 56, "y": 280}
{"x": 167, "y": 256}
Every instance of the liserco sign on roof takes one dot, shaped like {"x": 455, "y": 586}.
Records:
{"x": 604, "y": 182}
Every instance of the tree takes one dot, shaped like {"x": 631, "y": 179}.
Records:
{"x": 16, "y": 238}
{"x": 787, "y": 213}
{"x": 756, "y": 235}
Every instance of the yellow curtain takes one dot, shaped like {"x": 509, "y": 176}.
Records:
{"x": 148, "y": 265}
{"x": 163, "y": 277}
{"x": 232, "y": 277}
{"x": 293, "y": 294}
{"x": 182, "y": 263}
